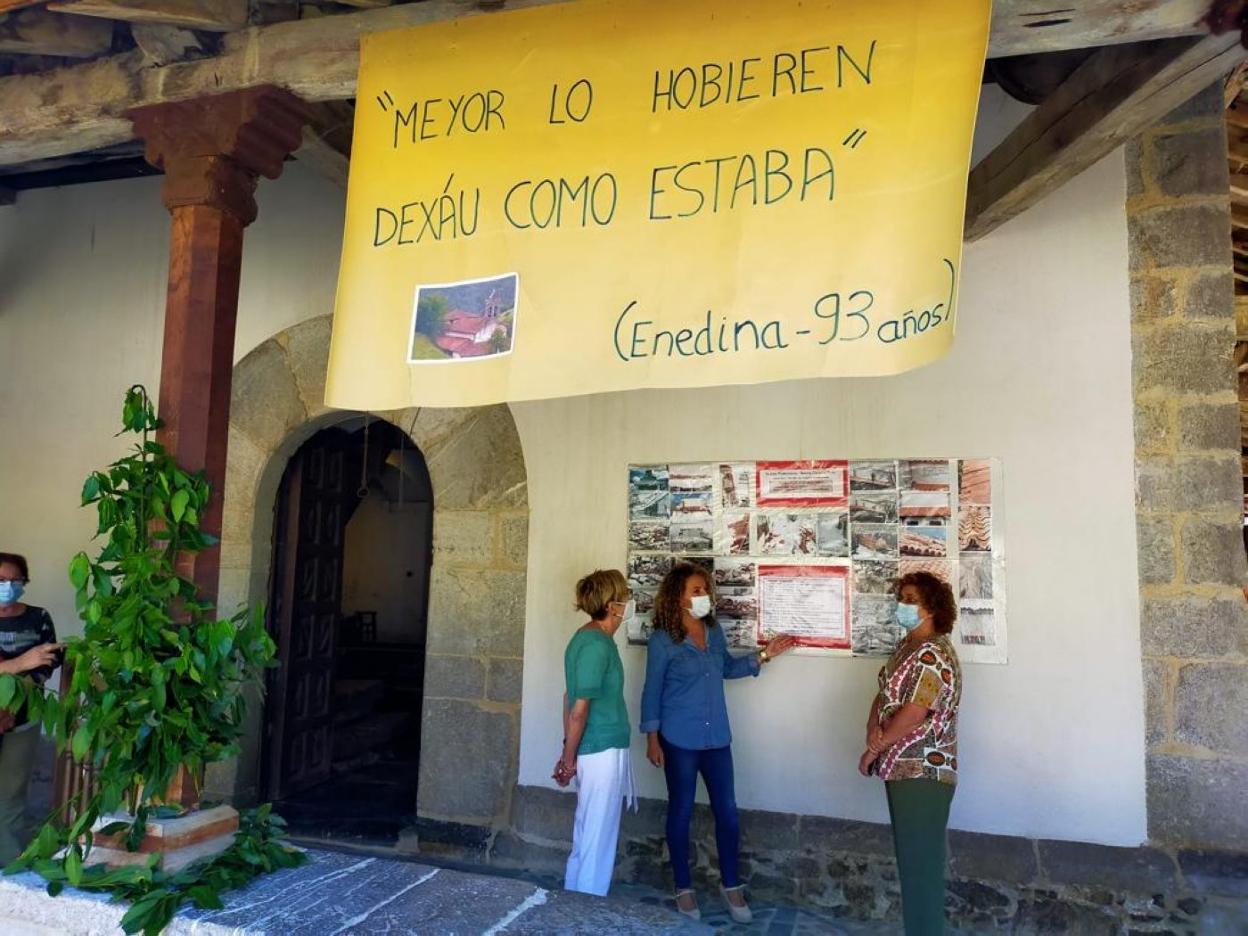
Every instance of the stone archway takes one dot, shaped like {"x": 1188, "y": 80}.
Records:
{"x": 471, "y": 716}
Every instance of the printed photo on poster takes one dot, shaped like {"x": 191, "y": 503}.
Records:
{"x": 647, "y": 571}
{"x": 977, "y": 623}
{"x": 974, "y": 529}
{"x": 736, "y": 534}
{"x": 809, "y": 602}
{"x": 744, "y": 605}
{"x": 924, "y": 504}
{"x": 736, "y": 485}
{"x": 975, "y": 578}
{"x": 873, "y": 507}
{"x": 648, "y": 536}
{"x": 925, "y": 474}
{"x": 648, "y": 493}
{"x": 875, "y": 541}
{"x": 873, "y": 476}
{"x": 875, "y": 578}
{"x": 735, "y": 573}
{"x": 941, "y": 568}
{"x": 688, "y": 506}
{"x": 464, "y": 320}
{"x": 875, "y": 629}
{"x": 786, "y": 534}
{"x": 741, "y": 634}
{"x": 832, "y": 534}
{"x": 801, "y": 483}
{"x": 698, "y": 536}
{"x": 975, "y": 481}
{"x": 927, "y": 540}
{"x": 691, "y": 479}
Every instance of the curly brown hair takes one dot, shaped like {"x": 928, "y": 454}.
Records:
{"x": 667, "y": 608}
{"x": 936, "y": 596}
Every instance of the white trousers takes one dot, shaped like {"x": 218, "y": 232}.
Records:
{"x": 603, "y": 782}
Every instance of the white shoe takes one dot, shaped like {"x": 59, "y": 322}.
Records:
{"x": 695, "y": 913}
{"x": 740, "y": 913}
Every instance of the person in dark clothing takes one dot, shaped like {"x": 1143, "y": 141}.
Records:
{"x": 28, "y": 648}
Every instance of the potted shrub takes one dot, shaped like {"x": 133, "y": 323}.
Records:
{"x": 156, "y": 689}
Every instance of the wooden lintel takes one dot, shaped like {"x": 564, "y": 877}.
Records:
{"x": 318, "y": 59}
{"x": 209, "y": 15}
{"x": 1110, "y": 98}
{"x": 37, "y": 32}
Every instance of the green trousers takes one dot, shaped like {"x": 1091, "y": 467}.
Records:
{"x": 17, "y": 758}
{"x": 919, "y": 810}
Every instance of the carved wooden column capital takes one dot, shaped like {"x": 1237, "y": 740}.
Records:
{"x": 213, "y": 149}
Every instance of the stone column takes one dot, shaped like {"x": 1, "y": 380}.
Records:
{"x": 212, "y": 151}
{"x": 1194, "y": 631}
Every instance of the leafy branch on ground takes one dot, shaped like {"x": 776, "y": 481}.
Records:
{"x": 158, "y": 684}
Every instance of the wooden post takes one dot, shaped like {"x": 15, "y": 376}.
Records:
{"x": 212, "y": 151}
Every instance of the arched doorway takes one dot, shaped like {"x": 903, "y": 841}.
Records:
{"x": 348, "y": 608}
{"x": 474, "y": 647}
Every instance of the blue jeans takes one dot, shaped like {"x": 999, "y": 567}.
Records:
{"x": 682, "y": 766}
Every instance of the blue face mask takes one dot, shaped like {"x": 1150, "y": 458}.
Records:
{"x": 10, "y": 592}
{"x": 908, "y": 616}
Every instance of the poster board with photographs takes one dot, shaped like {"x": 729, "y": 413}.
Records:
{"x": 814, "y": 548}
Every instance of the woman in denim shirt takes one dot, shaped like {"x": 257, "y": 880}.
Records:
{"x": 685, "y": 717}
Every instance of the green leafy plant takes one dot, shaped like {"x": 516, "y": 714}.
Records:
{"x": 157, "y": 682}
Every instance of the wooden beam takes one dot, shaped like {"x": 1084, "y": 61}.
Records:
{"x": 318, "y": 59}
{"x": 1239, "y": 184}
{"x": 1109, "y": 99}
{"x": 208, "y": 15}
{"x": 36, "y": 32}
{"x": 10, "y": 6}
{"x": 162, "y": 44}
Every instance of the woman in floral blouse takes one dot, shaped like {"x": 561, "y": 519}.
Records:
{"x": 912, "y": 744}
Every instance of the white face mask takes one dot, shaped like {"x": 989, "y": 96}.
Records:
{"x": 630, "y": 611}
{"x": 700, "y": 606}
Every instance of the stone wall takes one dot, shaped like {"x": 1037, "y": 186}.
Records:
{"x": 471, "y": 716}
{"x": 847, "y": 868}
{"x": 1193, "y": 623}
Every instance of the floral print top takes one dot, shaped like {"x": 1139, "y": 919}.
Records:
{"x": 927, "y": 675}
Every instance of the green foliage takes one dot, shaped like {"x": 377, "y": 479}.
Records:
{"x": 157, "y": 680}
{"x": 431, "y": 315}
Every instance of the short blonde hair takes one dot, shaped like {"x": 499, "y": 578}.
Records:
{"x": 599, "y": 589}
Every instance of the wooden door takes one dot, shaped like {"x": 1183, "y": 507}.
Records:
{"x": 314, "y": 504}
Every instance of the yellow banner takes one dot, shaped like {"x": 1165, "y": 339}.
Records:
{"x": 594, "y": 196}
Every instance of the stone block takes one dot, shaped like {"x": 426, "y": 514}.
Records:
{"x": 1152, "y": 298}
{"x": 1153, "y": 434}
{"x": 647, "y": 822}
{"x": 1206, "y": 104}
{"x": 511, "y": 851}
{"x": 463, "y": 536}
{"x": 1213, "y": 551}
{"x": 981, "y": 856}
{"x": 1191, "y": 163}
{"x": 1211, "y": 296}
{"x": 829, "y": 834}
{"x": 1209, "y": 483}
{"x": 466, "y": 761}
{"x": 245, "y": 462}
{"x": 1196, "y": 802}
{"x": 763, "y": 831}
{"x": 1191, "y": 626}
{"x": 1155, "y": 542}
{"x": 1180, "y": 236}
{"x": 504, "y": 682}
{"x": 1193, "y": 358}
{"x": 1224, "y": 873}
{"x": 543, "y": 813}
{"x": 454, "y": 677}
{"x": 476, "y": 612}
{"x": 1210, "y": 700}
{"x": 265, "y": 402}
{"x": 1135, "y": 167}
{"x": 1156, "y": 692}
{"x": 1154, "y": 484}
{"x": 1131, "y": 870}
{"x": 1209, "y": 426}
{"x": 1049, "y": 913}
{"x": 481, "y": 464}
{"x": 307, "y": 350}
{"x": 515, "y": 539}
